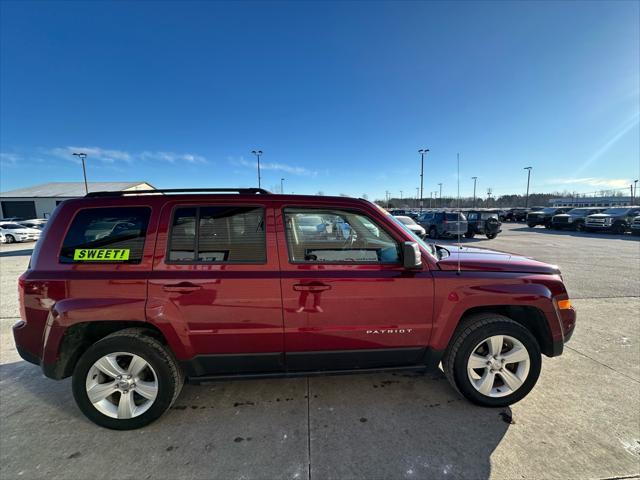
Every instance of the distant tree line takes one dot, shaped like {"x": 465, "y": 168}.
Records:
{"x": 535, "y": 200}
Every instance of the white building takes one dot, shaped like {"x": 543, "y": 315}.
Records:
{"x": 592, "y": 202}
{"x": 39, "y": 201}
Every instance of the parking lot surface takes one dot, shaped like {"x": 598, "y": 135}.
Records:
{"x": 582, "y": 420}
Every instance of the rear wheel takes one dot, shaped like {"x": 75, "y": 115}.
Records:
{"x": 433, "y": 233}
{"x": 531, "y": 225}
{"x": 126, "y": 380}
{"x": 470, "y": 234}
{"x": 491, "y": 236}
{"x": 492, "y": 360}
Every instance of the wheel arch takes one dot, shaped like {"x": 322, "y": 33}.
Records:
{"x": 79, "y": 337}
{"x": 530, "y": 317}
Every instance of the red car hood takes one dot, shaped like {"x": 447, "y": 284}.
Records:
{"x": 480, "y": 259}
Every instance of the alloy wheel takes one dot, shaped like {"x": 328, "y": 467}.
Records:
{"x": 122, "y": 385}
{"x": 498, "y": 366}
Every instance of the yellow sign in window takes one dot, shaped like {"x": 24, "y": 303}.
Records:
{"x": 100, "y": 254}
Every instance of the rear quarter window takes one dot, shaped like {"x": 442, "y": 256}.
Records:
{"x": 106, "y": 235}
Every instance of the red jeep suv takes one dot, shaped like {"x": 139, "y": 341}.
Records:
{"x": 132, "y": 293}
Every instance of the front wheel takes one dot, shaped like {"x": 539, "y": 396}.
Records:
{"x": 531, "y": 225}
{"x": 492, "y": 360}
{"x": 619, "y": 228}
{"x": 433, "y": 233}
{"x": 491, "y": 236}
{"x": 470, "y": 234}
{"x": 10, "y": 238}
{"x": 580, "y": 227}
{"x": 126, "y": 380}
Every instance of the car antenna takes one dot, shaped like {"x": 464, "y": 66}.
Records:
{"x": 459, "y": 239}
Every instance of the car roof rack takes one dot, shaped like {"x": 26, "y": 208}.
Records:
{"x": 120, "y": 193}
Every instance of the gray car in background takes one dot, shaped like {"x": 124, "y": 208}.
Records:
{"x": 443, "y": 224}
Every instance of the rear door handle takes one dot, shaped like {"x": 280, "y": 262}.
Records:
{"x": 315, "y": 287}
{"x": 182, "y": 287}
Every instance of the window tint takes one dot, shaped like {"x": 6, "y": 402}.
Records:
{"x": 337, "y": 236}
{"x": 106, "y": 235}
{"x": 217, "y": 235}
{"x": 453, "y": 217}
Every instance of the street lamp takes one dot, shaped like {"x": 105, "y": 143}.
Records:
{"x": 82, "y": 156}
{"x": 440, "y": 195}
{"x": 258, "y": 153}
{"x": 526, "y": 200}
{"x": 282, "y": 185}
{"x": 417, "y": 195}
{"x": 635, "y": 190}
{"x": 422, "y": 152}
{"x": 475, "y": 179}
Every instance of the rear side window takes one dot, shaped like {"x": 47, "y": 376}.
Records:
{"x": 106, "y": 235}
{"x": 217, "y": 235}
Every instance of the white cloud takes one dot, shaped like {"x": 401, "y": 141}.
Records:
{"x": 111, "y": 156}
{"x": 282, "y": 167}
{"x": 591, "y": 181}
{"x": 9, "y": 159}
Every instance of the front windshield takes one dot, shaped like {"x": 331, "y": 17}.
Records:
{"x": 578, "y": 211}
{"x": 548, "y": 210}
{"x": 427, "y": 246}
{"x": 406, "y": 220}
{"x": 616, "y": 211}
{"x": 11, "y": 226}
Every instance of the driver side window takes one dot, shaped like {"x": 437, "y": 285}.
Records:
{"x": 337, "y": 236}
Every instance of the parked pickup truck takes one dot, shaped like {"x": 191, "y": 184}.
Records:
{"x": 544, "y": 216}
{"x": 574, "y": 219}
{"x": 635, "y": 226}
{"x": 204, "y": 285}
{"x": 614, "y": 220}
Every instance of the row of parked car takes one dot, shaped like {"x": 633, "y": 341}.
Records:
{"x": 14, "y": 230}
{"x": 615, "y": 219}
{"x": 442, "y": 223}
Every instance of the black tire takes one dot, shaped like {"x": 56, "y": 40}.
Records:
{"x": 531, "y": 225}
{"x": 9, "y": 238}
{"x": 619, "y": 228}
{"x": 579, "y": 227}
{"x": 472, "y": 332}
{"x": 469, "y": 234}
{"x": 491, "y": 236}
{"x": 132, "y": 340}
{"x": 548, "y": 226}
{"x": 433, "y": 233}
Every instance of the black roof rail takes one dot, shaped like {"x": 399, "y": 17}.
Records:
{"x": 120, "y": 193}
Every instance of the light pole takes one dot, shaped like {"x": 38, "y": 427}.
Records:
{"x": 282, "y": 186}
{"x": 82, "y": 156}
{"x": 417, "y": 195}
{"x": 635, "y": 190}
{"x": 440, "y": 195}
{"x": 258, "y": 153}
{"x": 387, "y": 194}
{"x": 422, "y": 152}
{"x": 400, "y": 194}
{"x": 526, "y": 199}
{"x": 475, "y": 179}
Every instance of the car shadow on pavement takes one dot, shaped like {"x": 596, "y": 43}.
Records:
{"x": 17, "y": 253}
{"x": 573, "y": 233}
{"x": 385, "y": 425}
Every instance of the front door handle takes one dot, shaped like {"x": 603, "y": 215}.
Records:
{"x": 311, "y": 287}
{"x": 182, "y": 287}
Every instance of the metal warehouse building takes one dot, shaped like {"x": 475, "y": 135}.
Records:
{"x": 39, "y": 201}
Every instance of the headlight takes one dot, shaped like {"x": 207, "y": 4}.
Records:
{"x": 570, "y": 220}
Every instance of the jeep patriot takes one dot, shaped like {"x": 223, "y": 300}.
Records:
{"x": 131, "y": 294}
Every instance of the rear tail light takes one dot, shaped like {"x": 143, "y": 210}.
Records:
{"x": 564, "y": 304}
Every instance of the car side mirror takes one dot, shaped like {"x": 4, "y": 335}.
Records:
{"x": 412, "y": 258}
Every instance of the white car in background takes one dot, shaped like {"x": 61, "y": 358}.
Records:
{"x": 411, "y": 224}
{"x": 14, "y": 232}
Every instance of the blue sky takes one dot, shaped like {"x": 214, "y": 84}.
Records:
{"x": 338, "y": 95}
